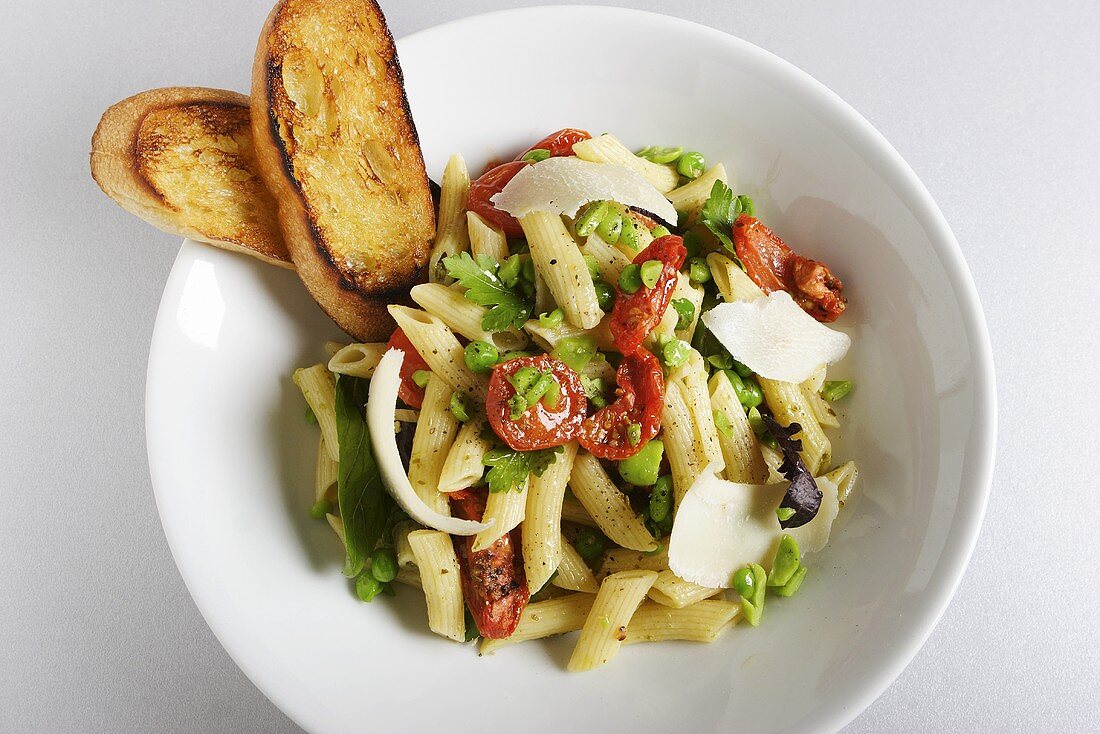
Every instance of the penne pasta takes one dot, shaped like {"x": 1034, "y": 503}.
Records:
{"x": 319, "y": 390}
{"x": 463, "y": 316}
{"x": 608, "y": 149}
{"x": 610, "y": 261}
{"x": 326, "y": 474}
{"x": 337, "y": 526}
{"x": 694, "y": 295}
{"x": 572, "y": 572}
{"x": 546, "y": 619}
{"x": 703, "y": 621}
{"x": 464, "y": 464}
{"x": 730, "y": 279}
{"x": 332, "y": 347}
{"x": 788, "y": 405}
{"x": 357, "y": 360}
{"x": 541, "y": 540}
{"x": 505, "y": 511}
{"x": 559, "y": 262}
{"x": 691, "y": 377}
{"x": 844, "y": 477}
{"x": 672, "y": 591}
{"x": 435, "y": 434}
{"x": 442, "y": 351}
{"x": 573, "y": 511}
{"x": 402, "y": 549}
{"x": 605, "y": 628}
{"x": 485, "y": 239}
{"x": 693, "y": 195}
{"x": 451, "y": 233}
{"x": 740, "y": 448}
{"x": 819, "y": 407}
{"x": 549, "y": 337}
{"x": 607, "y": 505}
{"x": 621, "y": 559}
{"x": 441, "y": 581}
{"x": 682, "y": 445}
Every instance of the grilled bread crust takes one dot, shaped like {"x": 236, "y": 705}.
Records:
{"x": 337, "y": 147}
{"x": 182, "y": 159}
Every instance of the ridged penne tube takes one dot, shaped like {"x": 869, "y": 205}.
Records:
{"x": 442, "y": 351}
{"x": 332, "y": 347}
{"x": 435, "y": 434}
{"x": 410, "y": 576}
{"x": 337, "y": 526}
{"x": 546, "y": 619}
{"x": 844, "y": 477}
{"x": 692, "y": 379}
{"x": 542, "y": 546}
{"x": 730, "y": 279}
{"x": 610, "y": 261}
{"x": 505, "y": 510}
{"x": 485, "y": 239}
{"x": 548, "y": 337}
{"x": 326, "y": 473}
{"x": 573, "y": 511}
{"x": 559, "y": 262}
{"x": 703, "y": 621}
{"x": 441, "y": 580}
{"x": 402, "y": 549}
{"x": 464, "y": 465}
{"x": 573, "y": 573}
{"x": 607, "y": 505}
{"x": 740, "y": 448}
{"x": 451, "y": 233}
{"x": 463, "y": 316}
{"x": 693, "y": 195}
{"x": 544, "y": 299}
{"x": 672, "y": 591}
{"x": 774, "y": 459}
{"x": 819, "y": 406}
{"x": 816, "y": 380}
{"x": 605, "y": 628}
{"x": 789, "y": 405}
{"x": 319, "y": 389}
{"x": 682, "y": 445}
{"x": 357, "y": 360}
{"x": 608, "y": 149}
{"x": 620, "y": 559}
{"x": 693, "y": 293}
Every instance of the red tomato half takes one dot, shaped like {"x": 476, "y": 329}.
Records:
{"x": 409, "y": 391}
{"x": 490, "y": 184}
{"x": 493, "y": 583}
{"x": 637, "y": 314}
{"x": 559, "y": 143}
{"x": 641, "y": 394}
{"x": 539, "y": 427}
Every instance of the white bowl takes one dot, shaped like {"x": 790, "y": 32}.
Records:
{"x": 231, "y": 455}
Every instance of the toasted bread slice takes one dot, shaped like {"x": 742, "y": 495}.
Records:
{"x": 182, "y": 159}
{"x": 337, "y": 146}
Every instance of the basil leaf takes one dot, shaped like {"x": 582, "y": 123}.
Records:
{"x": 364, "y": 503}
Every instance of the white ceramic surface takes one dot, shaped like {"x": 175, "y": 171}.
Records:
{"x": 231, "y": 457}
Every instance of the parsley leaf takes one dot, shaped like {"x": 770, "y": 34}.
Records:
{"x": 510, "y": 469}
{"x": 718, "y": 213}
{"x": 485, "y": 288}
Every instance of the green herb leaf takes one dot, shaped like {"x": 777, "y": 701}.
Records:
{"x": 507, "y": 308}
{"x": 510, "y": 469}
{"x": 364, "y": 504}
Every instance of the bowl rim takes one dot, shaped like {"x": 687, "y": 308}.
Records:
{"x": 888, "y": 163}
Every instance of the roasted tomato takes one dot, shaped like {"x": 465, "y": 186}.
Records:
{"x": 409, "y": 391}
{"x": 641, "y": 393}
{"x": 493, "y": 582}
{"x": 636, "y": 314}
{"x": 559, "y": 143}
{"x": 490, "y": 184}
{"x": 773, "y": 266}
{"x": 539, "y": 427}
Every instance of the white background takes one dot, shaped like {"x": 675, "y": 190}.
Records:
{"x": 995, "y": 105}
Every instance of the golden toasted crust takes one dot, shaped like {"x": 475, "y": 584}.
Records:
{"x": 182, "y": 159}
{"x": 337, "y": 147}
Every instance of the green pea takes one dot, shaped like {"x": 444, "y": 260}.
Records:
{"x": 741, "y": 369}
{"x": 509, "y": 270}
{"x": 611, "y": 226}
{"x": 383, "y": 565}
{"x": 675, "y": 352}
{"x": 744, "y": 582}
{"x": 650, "y": 272}
{"x": 660, "y": 155}
{"x": 784, "y": 513}
{"x": 630, "y": 280}
{"x": 789, "y": 588}
{"x": 524, "y": 378}
{"x": 660, "y": 499}
{"x": 659, "y": 231}
{"x": 698, "y": 270}
{"x": 575, "y": 351}
{"x": 421, "y": 377}
{"x": 458, "y": 408}
{"x": 320, "y": 509}
{"x": 589, "y": 219}
{"x": 528, "y": 270}
{"x": 788, "y": 558}
{"x": 589, "y": 544}
{"x": 747, "y": 390}
{"x": 605, "y": 295}
{"x": 553, "y": 394}
{"x": 517, "y": 406}
{"x": 629, "y": 235}
{"x": 634, "y": 433}
{"x": 481, "y": 356}
{"x": 722, "y": 423}
{"x": 750, "y": 582}
{"x": 553, "y": 319}
{"x": 685, "y": 312}
{"x": 311, "y": 417}
{"x": 642, "y": 468}
{"x": 836, "y": 389}
{"x": 535, "y": 155}
{"x": 756, "y": 423}
{"x": 593, "y": 390}
{"x": 593, "y": 267}
{"x": 691, "y": 165}
{"x": 367, "y": 586}
{"x": 541, "y": 386}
